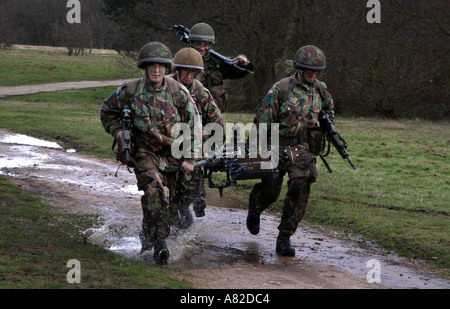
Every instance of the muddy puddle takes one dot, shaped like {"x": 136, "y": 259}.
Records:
{"x": 80, "y": 184}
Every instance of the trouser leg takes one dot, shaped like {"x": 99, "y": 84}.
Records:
{"x": 295, "y": 204}
{"x": 261, "y": 197}
{"x": 156, "y": 207}
{"x": 265, "y": 194}
{"x": 199, "y": 204}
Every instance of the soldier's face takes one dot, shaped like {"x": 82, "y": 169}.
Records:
{"x": 310, "y": 75}
{"x": 201, "y": 47}
{"x": 156, "y": 73}
{"x": 187, "y": 76}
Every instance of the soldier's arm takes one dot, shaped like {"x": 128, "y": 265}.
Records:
{"x": 110, "y": 112}
{"x": 229, "y": 73}
{"x": 192, "y": 118}
{"x": 328, "y": 104}
{"x": 267, "y": 110}
{"x": 212, "y": 113}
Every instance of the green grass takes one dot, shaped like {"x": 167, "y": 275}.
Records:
{"x": 36, "y": 243}
{"x": 28, "y": 67}
{"x": 73, "y": 121}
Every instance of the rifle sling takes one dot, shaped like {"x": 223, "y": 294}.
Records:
{"x": 325, "y": 163}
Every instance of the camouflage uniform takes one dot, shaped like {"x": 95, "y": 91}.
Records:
{"x": 213, "y": 78}
{"x": 205, "y": 103}
{"x": 154, "y": 113}
{"x": 296, "y": 115}
{"x": 193, "y": 190}
{"x": 214, "y": 72}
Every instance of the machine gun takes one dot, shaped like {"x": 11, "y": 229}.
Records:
{"x": 183, "y": 35}
{"x": 226, "y": 160}
{"x": 235, "y": 166}
{"x": 338, "y": 142}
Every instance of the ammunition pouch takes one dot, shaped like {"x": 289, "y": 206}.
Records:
{"x": 316, "y": 140}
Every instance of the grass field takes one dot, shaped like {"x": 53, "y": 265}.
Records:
{"x": 29, "y": 67}
{"x": 397, "y": 197}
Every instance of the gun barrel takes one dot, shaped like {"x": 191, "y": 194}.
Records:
{"x": 204, "y": 162}
{"x": 351, "y": 163}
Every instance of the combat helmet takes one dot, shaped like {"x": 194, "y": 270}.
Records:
{"x": 310, "y": 58}
{"x": 154, "y": 52}
{"x": 202, "y": 32}
{"x": 188, "y": 58}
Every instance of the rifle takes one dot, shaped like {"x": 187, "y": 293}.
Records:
{"x": 338, "y": 142}
{"x": 183, "y": 35}
{"x": 124, "y": 153}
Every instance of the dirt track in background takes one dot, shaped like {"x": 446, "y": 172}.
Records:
{"x": 32, "y": 89}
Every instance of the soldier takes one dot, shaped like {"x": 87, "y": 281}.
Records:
{"x": 157, "y": 103}
{"x": 187, "y": 63}
{"x": 201, "y": 37}
{"x": 294, "y": 103}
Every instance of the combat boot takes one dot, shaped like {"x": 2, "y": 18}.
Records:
{"x": 199, "y": 206}
{"x": 186, "y": 219}
{"x": 284, "y": 245}
{"x": 161, "y": 254}
{"x": 146, "y": 243}
{"x": 253, "y": 220}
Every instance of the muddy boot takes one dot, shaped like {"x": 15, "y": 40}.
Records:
{"x": 186, "y": 219}
{"x": 146, "y": 243}
{"x": 199, "y": 206}
{"x": 284, "y": 245}
{"x": 161, "y": 254}
{"x": 253, "y": 220}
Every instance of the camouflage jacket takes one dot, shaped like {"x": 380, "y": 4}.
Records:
{"x": 205, "y": 103}
{"x": 215, "y": 73}
{"x": 154, "y": 112}
{"x": 292, "y": 111}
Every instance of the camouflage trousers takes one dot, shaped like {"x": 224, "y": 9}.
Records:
{"x": 189, "y": 188}
{"x": 300, "y": 165}
{"x": 159, "y": 188}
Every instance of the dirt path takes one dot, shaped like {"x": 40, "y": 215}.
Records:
{"x": 217, "y": 251}
{"x": 31, "y": 89}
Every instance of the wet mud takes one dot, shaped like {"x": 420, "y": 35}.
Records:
{"x": 217, "y": 251}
